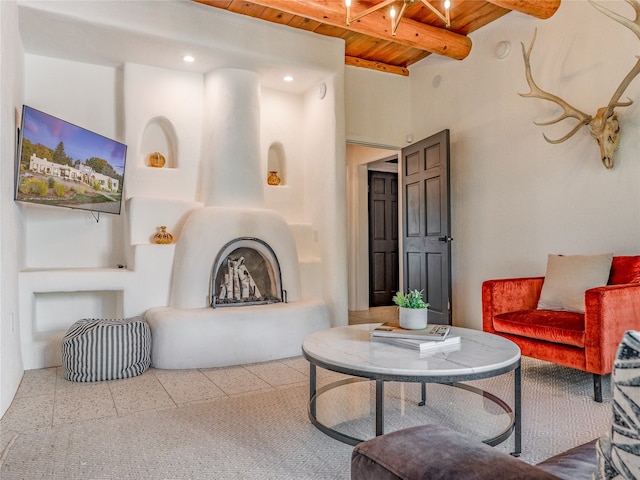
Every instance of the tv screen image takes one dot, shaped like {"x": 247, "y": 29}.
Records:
{"x": 64, "y": 165}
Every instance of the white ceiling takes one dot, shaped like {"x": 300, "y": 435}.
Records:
{"x": 160, "y": 33}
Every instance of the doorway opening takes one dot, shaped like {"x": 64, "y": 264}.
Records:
{"x": 361, "y": 160}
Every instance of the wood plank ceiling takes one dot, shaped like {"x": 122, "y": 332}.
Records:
{"x": 369, "y": 41}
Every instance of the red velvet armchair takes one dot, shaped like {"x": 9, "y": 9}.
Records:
{"x": 588, "y": 341}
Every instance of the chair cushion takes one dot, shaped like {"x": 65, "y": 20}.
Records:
{"x": 100, "y": 349}
{"x": 569, "y": 276}
{"x": 552, "y": 326}
{"x": 619, "y": 455}
{"x": 625, "y": 269}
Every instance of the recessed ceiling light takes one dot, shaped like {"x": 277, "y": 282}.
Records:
{"x": 288, "y": 78}
{"x": 188, "y": 58}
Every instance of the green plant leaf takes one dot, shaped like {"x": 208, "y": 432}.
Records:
{"x": 412, "y": 299}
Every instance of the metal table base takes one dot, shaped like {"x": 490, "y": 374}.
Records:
{"x": 515, "y": 423}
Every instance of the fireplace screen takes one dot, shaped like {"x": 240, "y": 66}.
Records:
{"x": 246, "y": 272}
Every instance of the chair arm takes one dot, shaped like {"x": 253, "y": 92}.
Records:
{"x": 609, "y": 312}
{"x": 508, "y": 295}
{"x": 435, "y": 452}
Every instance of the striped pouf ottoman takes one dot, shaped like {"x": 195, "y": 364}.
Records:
{"x": 98, "y": 349}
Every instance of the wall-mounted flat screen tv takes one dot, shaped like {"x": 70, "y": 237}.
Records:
{"x": 64, "y": 165}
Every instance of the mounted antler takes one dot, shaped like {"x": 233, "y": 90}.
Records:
{"x": 604, "y": 126}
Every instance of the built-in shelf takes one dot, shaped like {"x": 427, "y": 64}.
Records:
{"x": 276, "y": 162}
{"x": 159, "y": 137}
{"x": 56, "y": 311}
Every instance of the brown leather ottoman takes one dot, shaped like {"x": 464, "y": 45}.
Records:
{"x": 433, "y": 452}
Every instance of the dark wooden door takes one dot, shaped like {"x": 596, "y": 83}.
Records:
{"x": 427, "y": 223}
{"x": 383, "y": 238}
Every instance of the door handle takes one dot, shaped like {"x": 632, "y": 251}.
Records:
{"x": 445, "y": 239}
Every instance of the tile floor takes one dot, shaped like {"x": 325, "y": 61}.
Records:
{"x": 45, "y": 399}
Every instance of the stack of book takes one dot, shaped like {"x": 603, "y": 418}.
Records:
{"x": 425, "y": 339}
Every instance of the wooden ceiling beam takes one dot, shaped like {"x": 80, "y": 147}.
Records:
{"x": 379, "y": 66}
{"x": 410, "y": 33}
{"x": 537, "y": 8}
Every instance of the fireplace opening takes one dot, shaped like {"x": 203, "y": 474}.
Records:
{"x": 245, "y": 272}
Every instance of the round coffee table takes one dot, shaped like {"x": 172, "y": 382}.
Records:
{"x": 350, "y": 350}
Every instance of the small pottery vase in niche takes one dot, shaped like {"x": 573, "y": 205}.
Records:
{"x": 273, "y": 178}
{"x": 163, "y": 237}
{"x": 156, "y": 159}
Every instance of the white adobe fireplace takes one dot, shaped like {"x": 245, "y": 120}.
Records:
{"x": 213, "y": 320}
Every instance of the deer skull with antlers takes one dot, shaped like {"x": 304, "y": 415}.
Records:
{"x": 604, "y": 126}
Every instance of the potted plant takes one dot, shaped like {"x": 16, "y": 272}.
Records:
{"x": 413, "y": 309}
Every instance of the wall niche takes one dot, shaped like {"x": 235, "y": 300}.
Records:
{"x": 56, "y": 311}
{"x": 276, "y": 165}
{"x": 159, "y": 145}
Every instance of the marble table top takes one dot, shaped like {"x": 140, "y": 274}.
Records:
{"x": 351, "y": 350}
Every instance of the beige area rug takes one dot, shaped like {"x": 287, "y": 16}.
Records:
{"x": 267, "y": 435}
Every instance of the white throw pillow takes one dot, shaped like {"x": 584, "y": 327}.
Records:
{"x": 567, "y": 278}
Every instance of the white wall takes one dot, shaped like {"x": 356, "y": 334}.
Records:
{"x": 280, "y": 128}
{"x": 515, "y": 197}
{"x": 112, "y": 269}
{"x": 377, "y": 107}
{"x": 169, "y": 103}
{"x": 11, "y": 67}
{"x": 49, "y": 86}
{"x": 377, "y": 115}
{"x": 325, "y": 189}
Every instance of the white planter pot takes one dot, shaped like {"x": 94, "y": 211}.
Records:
{"x": 413, "y": 318}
